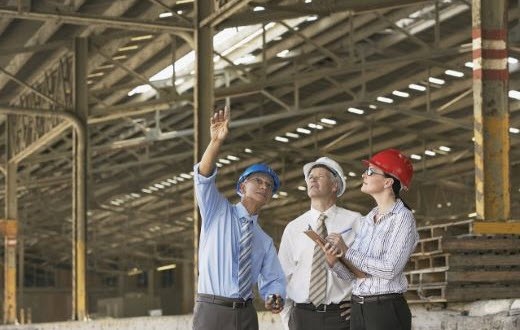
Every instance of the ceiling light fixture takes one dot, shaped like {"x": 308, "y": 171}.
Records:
{"x": 514, "y": 94}
{"x": 401, "y": 94}
{"x": 166, "y": 267}
{"x": 165, "y": 14}
{"x": 436, "y": 81}
{"x": 454, "y": 73}
{"x": 139, "y": 38}
{"x": 356, "y": 111}
{"x": 328, "y": 121}
{"x": 385, "y": 99}
{"x": 281, "y": 139}
{"x": 416, "y": 87}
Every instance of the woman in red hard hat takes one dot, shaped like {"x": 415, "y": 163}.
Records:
{"x": 387, "y": 237}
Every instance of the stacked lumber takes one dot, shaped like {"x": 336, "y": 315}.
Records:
{"x": 451, "y": 264}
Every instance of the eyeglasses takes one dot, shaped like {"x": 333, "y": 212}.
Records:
{"x": 316, "y": 177}
{"x": 259, "y": 181}
{"x": 370, "y": 171}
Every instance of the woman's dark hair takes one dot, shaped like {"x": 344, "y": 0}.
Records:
{"x": 396, "y": 187}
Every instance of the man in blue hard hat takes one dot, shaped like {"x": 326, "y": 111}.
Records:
{"x": 234, "y": 252}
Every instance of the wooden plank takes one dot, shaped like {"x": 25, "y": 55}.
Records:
{"x": 490, "y": 276}
{"x": 497, "y": 227}
{"x": 428, "y": 246}
{"x": 427, "y": 261}
{"x": 484, "y": 260}
{"x": 426, "y": 293}
{"x": 481, "y": 292}
{"x": 482, "y": 243}
{"x": 446, "y": 229}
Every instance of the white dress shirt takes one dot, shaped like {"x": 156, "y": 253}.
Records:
{"x": 296, "y": 251}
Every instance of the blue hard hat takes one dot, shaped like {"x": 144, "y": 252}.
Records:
{"x": 259, "y": 168}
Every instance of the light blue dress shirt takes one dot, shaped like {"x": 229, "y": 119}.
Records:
{"x": 219, "y": 245}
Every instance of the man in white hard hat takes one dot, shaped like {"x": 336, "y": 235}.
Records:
{"x": 316, "y": 297}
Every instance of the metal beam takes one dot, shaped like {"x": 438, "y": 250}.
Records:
{"x": 10, "y": 235}
{"x": 81, "y": 131}
{"x": 80, "y": 183}
{"x": 110, "y": 22}
{"x": 204, "y": 97}
{"x": 222, "y": 13}
{"x": 43, "y": 141}
{"x": 325, "y": 8}
{"x": 34, "y": 90}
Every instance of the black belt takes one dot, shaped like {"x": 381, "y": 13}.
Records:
{"x": 321, "y": 307}
{"x": 376, "y": 298}
{"x": 224, "y": 301}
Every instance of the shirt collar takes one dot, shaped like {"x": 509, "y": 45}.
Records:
{"x": 396, "y": 208}
{"x": 329, "y": 212}
{"x": 242, "y": 213}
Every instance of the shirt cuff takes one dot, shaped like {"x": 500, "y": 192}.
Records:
{"x": 198, "y": 178}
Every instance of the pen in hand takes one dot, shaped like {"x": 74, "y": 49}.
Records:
{"x": 345, "y": 231}
{"x": 340, "y": 233}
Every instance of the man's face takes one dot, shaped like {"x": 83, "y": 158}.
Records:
{"x": 321, "y": 183}
{"x": 258, "y": 187}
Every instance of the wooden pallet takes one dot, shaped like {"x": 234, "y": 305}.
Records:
{"x": 450, "y": 263}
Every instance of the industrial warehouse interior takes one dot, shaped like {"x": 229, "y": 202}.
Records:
{"x": 105, "y": 107}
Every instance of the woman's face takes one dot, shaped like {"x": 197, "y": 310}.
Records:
{"x": 374, "y": 180}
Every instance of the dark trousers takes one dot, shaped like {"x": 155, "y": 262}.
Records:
{"x": 304, "y": 319}
{"x": 388, "y": 314}
{"x": 212, "y": 316}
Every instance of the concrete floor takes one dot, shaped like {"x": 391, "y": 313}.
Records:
{"x": 501, "y": 314}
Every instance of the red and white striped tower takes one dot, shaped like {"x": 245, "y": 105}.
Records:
{"x": 491, "y": 109}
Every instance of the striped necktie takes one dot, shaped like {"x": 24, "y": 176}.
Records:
{"x": 244, "y": 260}
{"x": 318, "y": 282}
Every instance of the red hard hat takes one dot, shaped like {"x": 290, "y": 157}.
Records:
{"x": 395, "y": 163}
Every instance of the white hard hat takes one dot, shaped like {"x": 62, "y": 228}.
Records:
{"x": 333, "y": 166}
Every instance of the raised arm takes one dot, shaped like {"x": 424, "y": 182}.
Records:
{"x": 219, "y": 130}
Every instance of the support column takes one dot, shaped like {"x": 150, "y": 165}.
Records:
{"x": 204, "y": 98}
{"x": 491, "y": 110}
{"x": 151, "y": 283}
{"x": 184, "y": 283}
{"x": 79, "y": 203}
{"x": 9, "y": 230}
